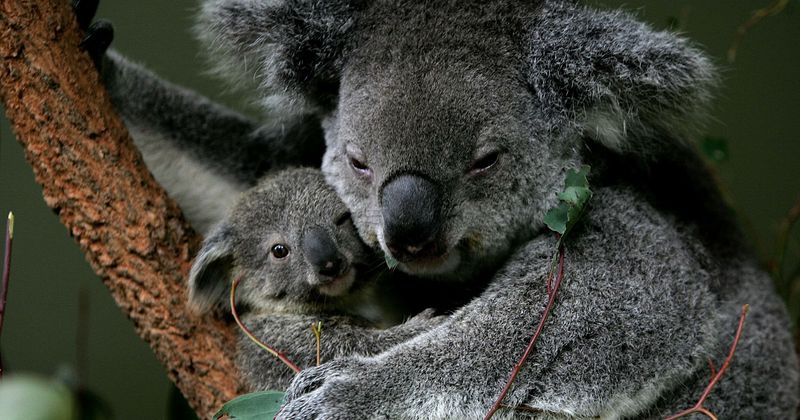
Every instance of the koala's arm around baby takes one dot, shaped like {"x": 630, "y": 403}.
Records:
{"x": 634, "y": 321}
{"x": 340, "y": 336}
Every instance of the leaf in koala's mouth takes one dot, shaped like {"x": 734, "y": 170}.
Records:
{"x": 390, "y": 261}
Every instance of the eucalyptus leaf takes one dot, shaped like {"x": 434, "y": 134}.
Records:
{"x": 254, "y": 406}
{"x": 574, "y": 198}
{"x": 556, "y": 219}
{"x": 577, "y": 178}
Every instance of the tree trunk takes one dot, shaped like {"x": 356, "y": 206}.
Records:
{"x": 133, "y": 235}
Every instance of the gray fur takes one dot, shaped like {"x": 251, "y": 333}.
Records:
{"x": 655, "y": 276}
{"x": 281, "y": 297}
{"x": 201, "y": 152}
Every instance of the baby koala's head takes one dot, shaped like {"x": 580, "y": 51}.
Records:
{"x": 289, "y": 239}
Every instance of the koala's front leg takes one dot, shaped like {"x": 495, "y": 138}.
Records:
{"x": 622, "y": 332}
{"x": 341, "y": 336}
{"x": 452, "y": 371}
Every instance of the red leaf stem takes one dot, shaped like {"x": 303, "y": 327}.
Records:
{"x": 698, "y": 408}
{"x": 250, "y": 335}
{"x": 551, "y": 293}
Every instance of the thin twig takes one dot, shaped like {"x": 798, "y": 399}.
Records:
{"x": 712, "y": 367}
{"x": 6, "y": 274}
{"x": 316, "y": 328}
{"x": 773, "y": 9}
{"x": 6, "y": 266}
{"x": 698, "y": 408}
{"x": 252, "y": 337}
{"x": 552, "y": 291}
{"x": 781, "y": 245}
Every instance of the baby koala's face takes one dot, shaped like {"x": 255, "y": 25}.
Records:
{"x": 289, "y": 240}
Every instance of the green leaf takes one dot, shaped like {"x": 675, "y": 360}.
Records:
{"x": 254, "y": 406}
{"x": 575, "y": 195}
{"x": 556, "y": 219}
{"x": 30, "y": 397}
{"x": 390, "y": 261}
{"x": 574, "y": 198}
{"x": 577, "y": 178}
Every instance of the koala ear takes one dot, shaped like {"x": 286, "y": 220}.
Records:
{"x": 291, "y": 48}
{"x": 632, "y": 89}
{"x": 210, "y": 276}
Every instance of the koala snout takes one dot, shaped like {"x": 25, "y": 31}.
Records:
{"x": 323, "y": 254}
{"x": 411, "y": 207}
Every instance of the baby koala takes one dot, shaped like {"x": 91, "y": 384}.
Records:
{"x": 299, "y": 259}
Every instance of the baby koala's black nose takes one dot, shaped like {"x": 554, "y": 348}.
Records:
{"x": 322, "y": 253}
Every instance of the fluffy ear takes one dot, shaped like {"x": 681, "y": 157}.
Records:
{"x": 631, "y": 88}
{"x": 210, "y": 277}
{"x": 291, "y": 48}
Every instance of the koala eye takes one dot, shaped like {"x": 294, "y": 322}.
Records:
{"x": 360, "y": 167}
{"x": 280, "y": 251}
{"x": 355, "y": 156}
{"x": 484, "y": 162}
{"x": 344, "y": 217}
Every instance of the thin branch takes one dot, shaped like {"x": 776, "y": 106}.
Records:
{"x": 6, "y": 275}
{"x": 271, "y": 350}
{"x": 552, "y": 291}
{"x": 698, "y": 408}
{"x": 759, "y": 15}
{"x": 782, "y": 243}
{"x": 316, "y": 329}
{"x": 6, "y": 266}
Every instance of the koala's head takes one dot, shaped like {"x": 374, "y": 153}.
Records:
{"x": 450, "y": 125}
{"x": 291, "y": 242}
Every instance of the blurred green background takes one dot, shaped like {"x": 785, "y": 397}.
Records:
{"x": 756, "y": 114}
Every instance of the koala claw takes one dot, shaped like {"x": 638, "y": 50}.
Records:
{"x": 331, "y": 391}
{"x": 312, "y": 378}
{"x": 424, "y": 320}
{"x": 424, "y": 315}
{"x": 84, "y": 11}
{"x": 98, "y": 38}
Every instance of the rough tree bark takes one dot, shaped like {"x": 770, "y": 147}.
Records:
{"x": 133, "y": 235}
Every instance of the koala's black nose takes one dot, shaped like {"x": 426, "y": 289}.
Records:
{"x": 322, "y": 253}
{"x": 411, "y": 206}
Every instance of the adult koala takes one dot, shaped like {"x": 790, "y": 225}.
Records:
{"x": 449, "y": 128}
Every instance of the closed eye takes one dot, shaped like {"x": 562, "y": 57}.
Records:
{"x": 484, "y": 162}
{"x": 343, "y": 218}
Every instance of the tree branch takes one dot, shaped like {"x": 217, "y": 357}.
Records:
{"x": 133, "y": 235}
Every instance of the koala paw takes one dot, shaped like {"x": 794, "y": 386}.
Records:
{"x": 341, "y": 389}
{"x": 425, "y": 319}
{"x": 98, "y": 35}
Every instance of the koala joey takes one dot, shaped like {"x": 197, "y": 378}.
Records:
{"x": 292, "y": 245}
{"x": 447, "y": 129}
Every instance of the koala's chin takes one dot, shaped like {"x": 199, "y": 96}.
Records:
{"x": 439, "y": 266}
